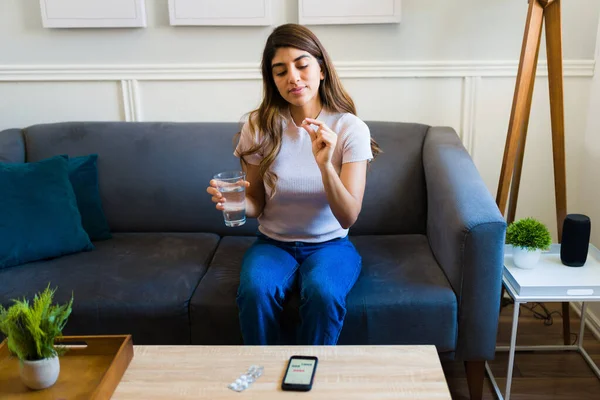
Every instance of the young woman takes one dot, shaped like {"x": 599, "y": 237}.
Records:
{"x": 305, "y": 155}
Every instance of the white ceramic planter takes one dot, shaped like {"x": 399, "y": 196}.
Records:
{"x": 40, "y": 374}
{"x": 526, "y": 259}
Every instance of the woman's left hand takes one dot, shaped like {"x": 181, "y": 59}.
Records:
{"x": 323, "y": 141}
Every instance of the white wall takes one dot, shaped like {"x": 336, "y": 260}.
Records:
{"x": 431, "y": 30}
{"x": 589, "y": 191}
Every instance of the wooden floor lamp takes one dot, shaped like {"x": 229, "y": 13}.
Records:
{"x": 540, "y": 11}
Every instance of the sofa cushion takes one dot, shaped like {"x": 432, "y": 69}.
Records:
{"x": 136, "y": 283}
{"x": 139, "y": 176}
{"x": 12, "y": 146}
{"x": 83, "y": 174}
{"x": 213, "y": 308}
{"x": 39, "y": 217}
{"x": 149, "y": 169}
{"x": 401, "y": 296}
{"x": 395, "y": 200}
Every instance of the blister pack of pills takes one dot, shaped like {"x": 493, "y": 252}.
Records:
{"x": 245, "y": 380}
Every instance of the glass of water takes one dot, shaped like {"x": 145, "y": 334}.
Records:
{"x": 232, "y": 187}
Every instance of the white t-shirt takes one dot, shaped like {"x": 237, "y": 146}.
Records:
{"x": 299, "y": 210}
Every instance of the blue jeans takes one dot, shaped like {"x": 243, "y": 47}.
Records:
{"x": 324, "y": 272}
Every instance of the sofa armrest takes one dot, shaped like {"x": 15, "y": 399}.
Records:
{"x": 466, "y": 232}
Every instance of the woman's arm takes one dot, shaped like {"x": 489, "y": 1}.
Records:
{"x": 255, "y": 192}
{"x": 345, "y": 192}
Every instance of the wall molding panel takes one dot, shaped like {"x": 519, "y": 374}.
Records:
{"x": 361, "y": 69}
{"x": 469, "y": 111}
{"x": 131, "y": 100}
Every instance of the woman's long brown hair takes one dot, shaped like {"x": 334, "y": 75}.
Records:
{"x": 268, "y": 118}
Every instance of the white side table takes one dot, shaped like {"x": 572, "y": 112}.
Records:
{"x": 550, "y": 281}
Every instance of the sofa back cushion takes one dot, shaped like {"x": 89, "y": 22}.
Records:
{"x": 83, "y": 174}
{"x": 395, "y": 200}
{"x": 153, "y": 176}
{"x": 12, "y": 146}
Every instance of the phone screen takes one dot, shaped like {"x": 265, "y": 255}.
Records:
{"x": 299, "y": 371}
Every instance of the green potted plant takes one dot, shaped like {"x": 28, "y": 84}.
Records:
{"x": 528, "y": 237}
{"x": 30, "y": 330}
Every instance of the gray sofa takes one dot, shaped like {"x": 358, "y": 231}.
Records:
{"x": 430, "y": 235}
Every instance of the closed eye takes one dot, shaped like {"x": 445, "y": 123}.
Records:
{"x": 282, "y": 73}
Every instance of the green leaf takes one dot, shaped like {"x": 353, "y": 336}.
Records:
{"x": 32, "y": 329}
{"x": 528, "y": 233}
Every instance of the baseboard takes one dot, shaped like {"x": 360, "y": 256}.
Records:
{"x": 592, "y": 321}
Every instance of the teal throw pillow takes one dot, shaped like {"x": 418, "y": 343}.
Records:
{"x": 83, "y": 173}
{"x": 39, "y": 217}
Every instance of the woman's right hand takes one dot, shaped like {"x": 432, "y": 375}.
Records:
{"x": 217, "y": 196}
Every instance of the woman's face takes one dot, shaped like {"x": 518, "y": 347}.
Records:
{"x": 297, "y": 75}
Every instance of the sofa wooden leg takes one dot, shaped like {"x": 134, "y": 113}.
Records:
{"x": 475, "y": 376}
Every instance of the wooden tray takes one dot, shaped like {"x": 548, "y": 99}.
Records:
{"x": 91, "y": 369}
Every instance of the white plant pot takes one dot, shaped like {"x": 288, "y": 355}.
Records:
{"x": 39, "y": 374}
{"x": 524, "y": 258}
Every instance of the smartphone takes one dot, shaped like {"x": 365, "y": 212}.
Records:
{"x": 300, "y": 373}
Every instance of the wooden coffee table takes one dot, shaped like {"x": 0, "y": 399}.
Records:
{"x": 343, "y": 372}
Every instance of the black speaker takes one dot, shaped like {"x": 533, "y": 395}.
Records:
{"x": 575, "y": 240}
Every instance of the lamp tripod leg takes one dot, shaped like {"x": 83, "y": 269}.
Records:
{"x": 555, "y": 81}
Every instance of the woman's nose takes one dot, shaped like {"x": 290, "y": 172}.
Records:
{"x": 294, "y": 76}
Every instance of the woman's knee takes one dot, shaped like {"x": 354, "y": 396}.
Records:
{"x": 321, "y": 294}
{"x": 253, "y": 292}
{"x": 266, "y": 274}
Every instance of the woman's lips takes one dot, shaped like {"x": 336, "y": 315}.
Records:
{"x": 297, "y": 91}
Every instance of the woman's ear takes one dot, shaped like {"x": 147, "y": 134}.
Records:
{"x": 320, "y": 61}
